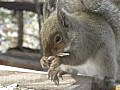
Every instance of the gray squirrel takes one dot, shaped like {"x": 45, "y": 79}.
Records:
{"x": 90, "y": 39}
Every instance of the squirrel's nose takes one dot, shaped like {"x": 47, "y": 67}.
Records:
{"x": 51, "y": 52}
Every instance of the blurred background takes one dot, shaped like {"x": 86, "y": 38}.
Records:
{"x": 20, "y": 24}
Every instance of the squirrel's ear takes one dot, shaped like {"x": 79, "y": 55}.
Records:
{"x": 46, "y": 11}
{"x": 62, "y": 14}
{"x": 49, "y": 6}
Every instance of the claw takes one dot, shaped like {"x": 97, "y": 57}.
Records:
{"x": 61, "y": 77}
{"x": 56, "y": 82}
{"x": 54, "y": 74}
{"x": 53, "y": 63}
{"x": 49, "y": 74}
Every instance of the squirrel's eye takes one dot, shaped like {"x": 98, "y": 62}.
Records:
{"x": 58, "y": 38}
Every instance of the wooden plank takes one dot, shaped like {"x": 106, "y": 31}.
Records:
{"x": 20, "y": 62}
{"x": 22, "y": 57}
{"x": 37, "y": 80}
{"x": 40, "y": 82}
{"x": 24, "y": 54}
{"x": 20, "y": 6}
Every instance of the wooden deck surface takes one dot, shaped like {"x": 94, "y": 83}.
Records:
{"x": 37, "y": 81}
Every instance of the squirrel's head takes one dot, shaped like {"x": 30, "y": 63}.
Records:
{"x": 53, "y": 37}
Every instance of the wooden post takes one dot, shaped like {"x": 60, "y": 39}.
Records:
{"x": 38, "y": 10}
{"x": 20, "y": 29}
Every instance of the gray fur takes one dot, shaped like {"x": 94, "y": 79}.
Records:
{"x": 107, "y": 8}
{"x": 90, "y": 40}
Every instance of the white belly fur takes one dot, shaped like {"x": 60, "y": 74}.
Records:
{"x": 88, "y": 69}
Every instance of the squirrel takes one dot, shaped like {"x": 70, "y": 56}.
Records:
{"x": 49, "y": 6}
{"x": 87, "y": 37}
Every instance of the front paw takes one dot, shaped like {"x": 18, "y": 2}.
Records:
{"x": 54, "y": 74}
{"x": 44, "y": 63}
